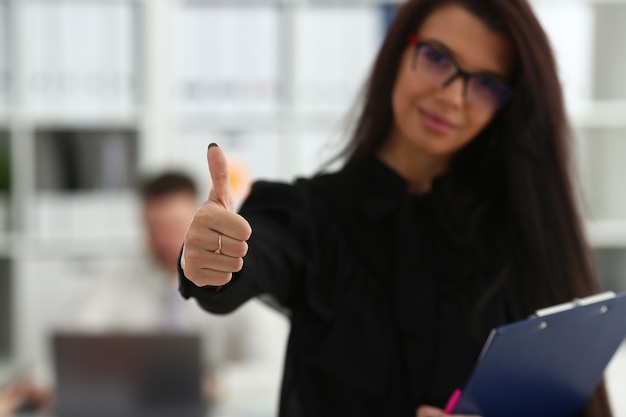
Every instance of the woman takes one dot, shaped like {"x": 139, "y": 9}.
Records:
{"x": 453, "y": 214}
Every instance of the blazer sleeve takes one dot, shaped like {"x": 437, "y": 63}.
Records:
{"x": 281, "y": 216}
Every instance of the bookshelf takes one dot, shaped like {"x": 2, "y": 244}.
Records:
{"x": 71, "y": 123}
{"x": 6, "y": 325}
{"x": 269, "y": 80}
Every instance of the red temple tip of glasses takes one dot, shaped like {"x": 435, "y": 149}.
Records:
{"x": 413, "y": 39}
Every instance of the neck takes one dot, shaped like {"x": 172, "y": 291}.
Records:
{"x": 418, "y": 168}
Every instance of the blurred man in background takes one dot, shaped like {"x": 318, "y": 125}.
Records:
{"x": 242, "y": 354}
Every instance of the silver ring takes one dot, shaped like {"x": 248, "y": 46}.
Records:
{"x": 219, "y": 244}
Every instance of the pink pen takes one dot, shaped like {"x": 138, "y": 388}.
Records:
{"x": 452, "y": 401}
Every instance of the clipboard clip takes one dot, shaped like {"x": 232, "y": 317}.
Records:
{"x": 577, "y": 302}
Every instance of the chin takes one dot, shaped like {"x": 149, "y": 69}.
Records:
{"x": 433, "y": 147}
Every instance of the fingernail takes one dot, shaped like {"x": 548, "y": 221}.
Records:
{"x": 212, "y": 145}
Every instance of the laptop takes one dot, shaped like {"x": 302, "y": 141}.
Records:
{"x": 128, "y": 375}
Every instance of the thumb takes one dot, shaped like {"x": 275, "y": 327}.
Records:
{"x": 218, "y": 169}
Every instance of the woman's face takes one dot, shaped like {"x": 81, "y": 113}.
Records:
{"x": 434, "y": 119}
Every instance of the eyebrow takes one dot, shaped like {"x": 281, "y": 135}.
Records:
{"x": 452, "y": 56}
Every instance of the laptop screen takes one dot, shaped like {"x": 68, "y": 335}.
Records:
{"x": 127, "y": 375}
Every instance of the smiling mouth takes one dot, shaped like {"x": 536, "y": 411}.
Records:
{"x": 435, "y": 123}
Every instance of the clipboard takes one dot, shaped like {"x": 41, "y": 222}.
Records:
{"x": 547, "y": 365}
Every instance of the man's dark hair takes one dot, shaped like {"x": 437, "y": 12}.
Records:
{"x": 166, "y": 184}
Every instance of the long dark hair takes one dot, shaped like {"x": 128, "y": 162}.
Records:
{"x": 516, "y": 174}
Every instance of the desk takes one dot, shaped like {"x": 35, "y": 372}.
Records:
{"x": 217, "y": 413}
{"x": 615, "y": 379}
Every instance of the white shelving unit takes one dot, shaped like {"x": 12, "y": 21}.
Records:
{"x": 270, "y": 81}
{"x": 73, "y": 111}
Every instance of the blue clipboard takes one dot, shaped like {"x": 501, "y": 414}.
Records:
{"x": 549, "y": 364}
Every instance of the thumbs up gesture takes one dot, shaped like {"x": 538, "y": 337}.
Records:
{"x": 215, "y": 243}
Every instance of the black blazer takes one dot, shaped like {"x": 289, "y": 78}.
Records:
{"x": 382, "y": 287}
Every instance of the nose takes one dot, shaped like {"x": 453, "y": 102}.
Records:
{"x": 453, "y": 92}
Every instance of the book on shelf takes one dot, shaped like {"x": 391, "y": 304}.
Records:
{"x": 4, "y": 55}
{"x": 335, "y": 50}
{"x": 80, "y": 57}
{"x": 76, "y": 160}
{"x": 226, "y": 58}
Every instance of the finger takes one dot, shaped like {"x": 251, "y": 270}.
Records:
{"x": 210, "y": 217}
{"x": 205, "y": 268}
{"x": 213, "y": 218}
{"x": 428, "y": 411}
{"x": 210, "y": 268}
{"x": 199, "y": 259}
{"x": 233, "y": 226}
{"x": 227, "y": 246}
{"x": 218, "y": 170}
{"x": 204, "y": 277}
{"x": 221, "y": 263}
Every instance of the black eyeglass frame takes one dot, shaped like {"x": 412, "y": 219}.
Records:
{"x": 417, "y": 42}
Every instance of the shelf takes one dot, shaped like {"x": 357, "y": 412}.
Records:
{"x": 216, "y": 121}
{"x": 607, "y": 233}
{"x": 292, "y": 3}
{"x": 6, "y": 245}
{"x": 6, "y": 306}
{"x": 599, "y": 114}
{"x": 239, "y": 3}
{"x": 126, "y": 247}
{"x": 23, "y": 247}
{"x": 72, "y": 122}
{"x": 87, "y": 123}
{"x": 6, "y": 236}
{"x": 350, "y": 3}
{"x": 84, "y": 224}
{"x": 261, "y": 120}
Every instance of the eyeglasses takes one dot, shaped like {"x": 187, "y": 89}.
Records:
{"x": 439, "y": 68}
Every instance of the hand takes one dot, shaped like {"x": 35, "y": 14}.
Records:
{"x": 215, "y": 226}
{"x": 19, "y": 394}
{"x": 428, "y": 411}
{"x": 11, "y": 398}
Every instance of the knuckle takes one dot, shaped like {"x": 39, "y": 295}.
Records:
{"x": 207, "y": 214}
{"x": 220, "y": 176}
{"x": 248, "y": 231}
{"x": 245, "y": 230}
{"x": 193, "y": 275}
{"x": 193, "y": 241}
{"x": 238, "y": 264}
{"x": 201, "y": 213}
{"x": 217, "y": 279}
{"x": 226, "y": 278}
{"x": 202, "y": 278}
{"x": 193, "y": 257}
{"x": 239, "y": 249}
